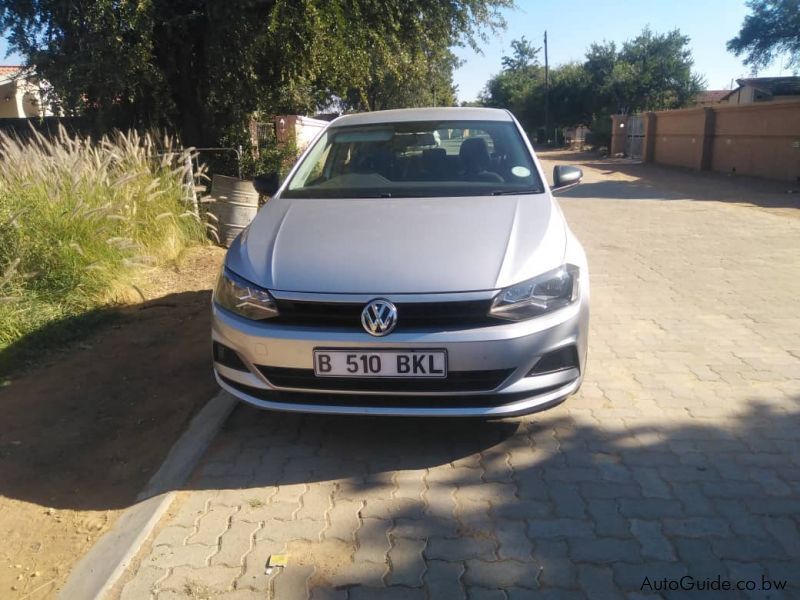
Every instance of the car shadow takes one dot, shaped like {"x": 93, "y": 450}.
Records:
{"x": 560, "y": 498}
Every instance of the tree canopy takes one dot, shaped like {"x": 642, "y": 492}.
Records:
{"x": 650, "y": 72}
{"x": 201, "y": 67}
{"x": 772, "y": 30}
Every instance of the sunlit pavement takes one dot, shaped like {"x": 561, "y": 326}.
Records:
{"x": 679, "y": 456}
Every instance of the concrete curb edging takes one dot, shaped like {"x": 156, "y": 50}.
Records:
{"x": 98, "y": 571}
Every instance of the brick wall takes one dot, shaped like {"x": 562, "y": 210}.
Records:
{"x": 761, "y": 140}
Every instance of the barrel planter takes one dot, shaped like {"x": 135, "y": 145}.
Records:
{"x": 235, "y": 205}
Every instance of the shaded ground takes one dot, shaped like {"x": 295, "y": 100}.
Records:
{"x": 84, "y": 432}
{"x": 679, "y": 456}
{"x": 656, "y": 182}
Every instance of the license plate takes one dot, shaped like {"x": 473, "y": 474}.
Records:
{"x": 380, "y": 363}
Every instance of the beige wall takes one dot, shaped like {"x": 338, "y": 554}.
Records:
{"x": 761, "y": 139}
{"x": 678, "y": 137}
{"x": 758, "y": 139}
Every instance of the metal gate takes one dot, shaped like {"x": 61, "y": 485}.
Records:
{"x": 634, "y": 139}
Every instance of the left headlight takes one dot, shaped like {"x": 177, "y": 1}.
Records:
{"x": 244, "y": 298}
{"x": 547, "y": 292}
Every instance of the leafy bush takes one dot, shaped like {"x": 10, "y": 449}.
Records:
{"x": 80, "y": 219}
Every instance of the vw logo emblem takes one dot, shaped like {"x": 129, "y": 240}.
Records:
{"x": 379, "y": 317}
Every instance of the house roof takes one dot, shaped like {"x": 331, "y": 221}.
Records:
{"x": 774, "y": 86}
{"x": 712, "y": 96}
{"x": 6, "y": 70}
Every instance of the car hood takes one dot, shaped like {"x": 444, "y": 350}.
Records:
{"x": 400, "y": 245}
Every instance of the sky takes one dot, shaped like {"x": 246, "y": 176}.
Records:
{"x": 572, "y": 26}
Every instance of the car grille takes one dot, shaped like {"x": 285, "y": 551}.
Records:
{"x": 456, "y": 381}
{"x": 410, "y": 315}
{"x": 377, "y": 400}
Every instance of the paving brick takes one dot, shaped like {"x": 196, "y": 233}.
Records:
{"x": 143, "y": 583}
{"x": 362, "y": 572}
{"x": 482, "y": 593}
{"x": 407, "y": 564}
{"x": 410, "y": 484}
{"x": 211, "y": 526}
{"x": 173, "y": 535}
{"x": 198, "y": 582}
{"x": 786, "y": 532}
{"x": 254, "y": 576}
{"x": 630, "y": 577}
{"x": 393, "y": 508}
{"x": 558, "y": 569}
{"x": 501, "y": 574}
{"x": 560, "y": 528}
{"x": 292, "y": 582}
{"x": 544, "y": 594}
{"x": 513, "y": 541}
{"x": 373, "y": 540}
{"x": 701, "y": 527}
{"x": 566, "y": 500}
{"x": 607, "y": 519}
{"x": 650, "y": 508}
{"x": 598, "y": 582}
{"x": 443, "y": 579}
{"x": 698, "y": 557}
{"x": 746, "y": 549}
{"x": 344, "y": 521}
{"x": 235, "y": 544}
{"x": 393, "y": 593}
{"x": 654, "y": 545}
{"x": 651, "y": 482}
{"x": 610, "y": 490}
{"x": 327, "y": 593}
{"x": 315, "y": 502}
{"x": 423, "y": 529}
{"x": 193, "y": 555}
{"x": 297, "y": 529}
{"x": 521, "y": 509}
{"x": 460, "y": 549}
{"x": 604, "y": 550}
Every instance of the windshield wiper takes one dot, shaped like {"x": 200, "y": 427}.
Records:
{"x": 513, "y": 192}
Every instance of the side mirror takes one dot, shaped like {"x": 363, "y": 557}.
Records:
{"x": 565, "y": 177}
{"x": 267, "y": 184}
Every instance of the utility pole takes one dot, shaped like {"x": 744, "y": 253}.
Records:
{"x": 546, "y": 92}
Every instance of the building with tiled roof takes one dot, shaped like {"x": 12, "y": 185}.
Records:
{"x": 21, "y": 93}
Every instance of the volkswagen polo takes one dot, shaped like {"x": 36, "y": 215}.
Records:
{"x": 413, "y": 262}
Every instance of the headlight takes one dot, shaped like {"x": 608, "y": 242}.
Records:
{"x": 545, "y": 293}
{"x": 244, "y": 298}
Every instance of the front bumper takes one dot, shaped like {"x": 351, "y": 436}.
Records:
{"x": 513, "y": 347}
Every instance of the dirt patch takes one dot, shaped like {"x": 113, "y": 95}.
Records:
{"x": 83, "y": 432}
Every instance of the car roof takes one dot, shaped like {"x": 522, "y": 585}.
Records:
{"x": 451, "y": 113}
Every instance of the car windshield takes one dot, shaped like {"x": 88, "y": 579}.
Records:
{"x": 417, "y": 159}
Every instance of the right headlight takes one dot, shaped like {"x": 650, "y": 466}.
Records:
{"x": 244, "y": 298}
{"x": 542, "y": 294}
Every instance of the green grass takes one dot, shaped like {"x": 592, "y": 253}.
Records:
{"x": 81, "y": 221}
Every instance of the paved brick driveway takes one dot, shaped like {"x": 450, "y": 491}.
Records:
{"x": 680, "y": 455}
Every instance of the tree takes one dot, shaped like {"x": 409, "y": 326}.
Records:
{"x": 513, "y": 86}
{"x": 201, "y": 67}
{"x": 773, "y": 29}
{"x": 523, "y": 56}
{"x": 650, "y": 72}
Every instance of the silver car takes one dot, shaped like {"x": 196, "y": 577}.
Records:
{"x": 394, "y": 274}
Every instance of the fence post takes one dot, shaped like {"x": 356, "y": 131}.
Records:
{"x": 618, "y": 134}
{"x": 191, "y": 195}
{"x": 649, "y": 144}
{"x": 707, "y": 139}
